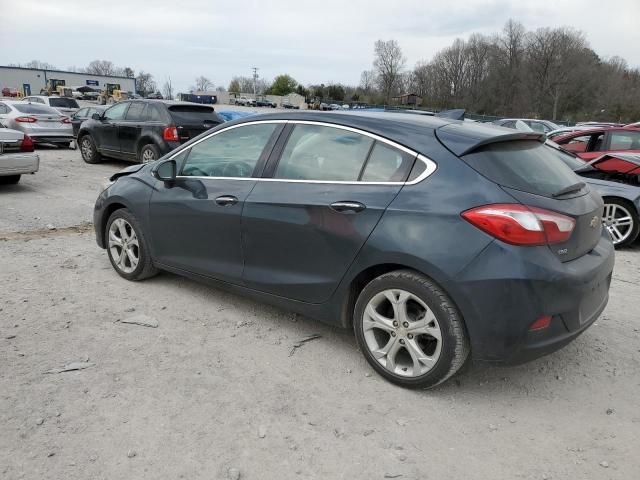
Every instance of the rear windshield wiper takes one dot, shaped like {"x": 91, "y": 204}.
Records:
{"x": 576, "y": 187}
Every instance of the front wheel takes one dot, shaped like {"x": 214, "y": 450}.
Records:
{"x": 409, "y": 330}
{"x": 621, "y": 220}
{"x": 127, "y": 246}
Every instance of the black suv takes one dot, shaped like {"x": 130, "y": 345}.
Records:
{"x": 143, "y": 130}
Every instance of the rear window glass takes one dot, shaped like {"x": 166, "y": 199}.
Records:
{"x": 34, "y": 108}
{"x": 63, "y": 102}
{"x": 528, "y": 166}
{"x": 186, "y": 113}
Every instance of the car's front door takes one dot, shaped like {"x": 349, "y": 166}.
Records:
{"x": 302, "y": 228}
{"x": 195, "y": 223}
{"x": 130, "y": 128}
{"x": 107, "y": 129}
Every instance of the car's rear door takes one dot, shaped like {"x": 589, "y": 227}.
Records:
{"x": 328, "y": 188}
{"x": 195, "y": 223}
{"x": 130, "y": 127}
{"x": 622, "y": 141}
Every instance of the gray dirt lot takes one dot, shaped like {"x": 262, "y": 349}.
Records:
{"x": 192, "y": 398}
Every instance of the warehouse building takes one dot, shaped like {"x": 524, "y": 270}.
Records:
{"x": 30, "y": 81}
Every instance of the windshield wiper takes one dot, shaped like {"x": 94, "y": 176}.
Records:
{"x": 576, "y": 187}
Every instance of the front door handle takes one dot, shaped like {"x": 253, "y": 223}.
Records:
{"x": 226, "y": 200}
{"x": 348, "y": 207}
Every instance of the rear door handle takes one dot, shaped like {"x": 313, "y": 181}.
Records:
{"x": 226, "y": 200}
{"x": 348, "y": 207}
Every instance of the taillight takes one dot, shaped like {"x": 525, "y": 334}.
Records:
{"x": 66, "y": 120}
{"x": 27, "y": 144}
{"x": 540, "y": 324}
{"x": 170, "y": 134}
{"x": 26, "y": 119}
{"x": 521, "y": 225}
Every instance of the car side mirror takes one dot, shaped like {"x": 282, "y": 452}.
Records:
{"x": 166, "y": 171}
{"x": 96, "y": 116}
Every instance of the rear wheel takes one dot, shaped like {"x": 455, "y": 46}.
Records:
{"x": 88, "y": 150}
{"x": 621, "y": 220}
{"x": 10, "y": 179}
{"x": 149, "y": 153}
{"x": 409, "y": 330}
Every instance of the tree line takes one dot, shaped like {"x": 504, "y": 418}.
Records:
{"x": 549, "y": 73}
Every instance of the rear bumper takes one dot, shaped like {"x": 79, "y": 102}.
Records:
{"x": 63, "y": 138}
{"x": 505, "y": 289}
{"x": 19, "y": 164}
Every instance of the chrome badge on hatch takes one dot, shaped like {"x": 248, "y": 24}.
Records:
{"x": 594, "y": 222}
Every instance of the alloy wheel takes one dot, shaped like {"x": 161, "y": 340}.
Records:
{"x": 148, "y": 156}
{"x": 123, "y": 245}
{"x": 86, "y": 148}
{"x": 402, "y": 333}
{"x": 618, "y": 221}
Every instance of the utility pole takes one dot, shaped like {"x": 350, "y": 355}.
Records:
{"x": 255, "y": 79}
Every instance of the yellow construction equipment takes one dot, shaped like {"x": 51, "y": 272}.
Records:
{"x": 112, "y": 94}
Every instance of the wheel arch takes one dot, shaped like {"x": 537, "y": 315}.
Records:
{"x": 108, "y": 211}
{"x": 146, "y": 139}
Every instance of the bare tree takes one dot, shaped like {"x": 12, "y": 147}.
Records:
{"x": 145, "y": 83}
{"x": 167, "y": 89}
{"x": 39, "y": 65}
{"x": 203, "y": 84}
{"x": 388, "y": 63}
{"x": 101, "y": 67}
{"x": 367, "y": 81}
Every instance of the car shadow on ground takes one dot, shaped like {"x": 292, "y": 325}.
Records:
{"x": 474, "y": 378}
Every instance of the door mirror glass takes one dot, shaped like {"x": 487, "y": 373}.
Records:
{"x": 166, "y": 171}
{"x": 96, "y": 116}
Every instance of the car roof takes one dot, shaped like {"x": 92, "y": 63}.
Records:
{"x": 413, "y": 131}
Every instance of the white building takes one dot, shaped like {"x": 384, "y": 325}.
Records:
{"x": 29, "y": 81}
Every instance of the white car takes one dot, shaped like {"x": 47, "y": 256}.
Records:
{"x": 65, "y": 105}
{"x": 17, "y": 157}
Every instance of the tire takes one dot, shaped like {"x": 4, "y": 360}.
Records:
{"x": 88, "y": 150}
{"x": 126, "y": 242}
{"x": 148, "y": 153}
{"x": 421, "y": 359}
{"x": 65, "y": 145}
{"x": 622, "y": 221}
{"x": 10, "y": 179}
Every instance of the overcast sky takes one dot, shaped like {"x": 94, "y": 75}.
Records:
{"x": 316, "y": 42}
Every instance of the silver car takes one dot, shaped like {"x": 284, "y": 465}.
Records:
{"x": 43, "y": 124}
{"x": 64, "y": 105}
{"x": 16, "y": 156}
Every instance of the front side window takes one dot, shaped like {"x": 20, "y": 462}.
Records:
{"x": 116, "y": 112}
{"x": 315, "y": 152}
{"x": 231, "y": 153}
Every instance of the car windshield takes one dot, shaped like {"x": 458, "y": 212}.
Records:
{"x": 34, "y": 108}
{"x": 528, "y": 166}
{"x": 63, "y": 102}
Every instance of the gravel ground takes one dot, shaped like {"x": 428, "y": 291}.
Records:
{"x": 215, "y": 387}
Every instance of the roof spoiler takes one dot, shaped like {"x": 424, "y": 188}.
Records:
{"x": 455, "y": 114}
{"x": 462, "y": 139}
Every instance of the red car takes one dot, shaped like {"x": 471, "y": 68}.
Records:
{"x": 592, "y": 144}
{"x": 9, "y": 92}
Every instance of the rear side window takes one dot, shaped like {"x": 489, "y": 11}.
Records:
{"x": 528, "y": 166}
{"x": 154, "y": 113}
{"x": 35, "y": 109}
{"x": 323, "y": 153}
{"x": 185, "y": 114}
{"x": 63, "y": 102}
{"x": 387, "y": 164}
{"x": 136, "y": 111}
{"x": 625, "y": 141}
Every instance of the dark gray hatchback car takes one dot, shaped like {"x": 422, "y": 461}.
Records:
{"x": 435, "y": 240}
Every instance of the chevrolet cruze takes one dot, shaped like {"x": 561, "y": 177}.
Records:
{"x": 436, "y": 240}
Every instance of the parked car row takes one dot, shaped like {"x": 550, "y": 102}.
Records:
{"x": 43, "y": 124}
